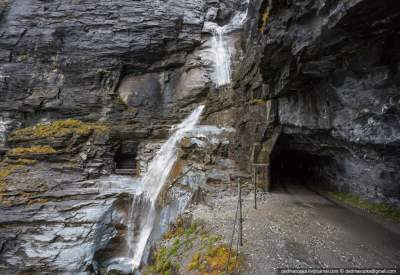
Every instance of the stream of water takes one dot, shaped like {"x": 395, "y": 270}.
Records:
{"x": 221, "y": 44}
{"x": 143, "y": 211}
{"x": 222, "y": 57}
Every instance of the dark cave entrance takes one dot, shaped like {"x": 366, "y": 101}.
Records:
{"x": 298, "y": 167}
{"x": 125, "y": 158}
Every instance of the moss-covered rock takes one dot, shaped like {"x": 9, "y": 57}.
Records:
{"x": 192, "y": 249}
{"x": 6, "y": 170}
{"x": 34, "y": 150}
{"x": 58, "y": 129}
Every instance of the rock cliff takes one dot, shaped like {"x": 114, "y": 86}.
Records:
{"x": 327, "y": 74}
{"x": 87, "y": 86}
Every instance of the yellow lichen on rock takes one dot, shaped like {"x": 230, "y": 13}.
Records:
{"x": 23, "y": 161}
{"x": 6, "y": 170}
{"x": 59, "y": 128}
{"x": 192, "y": 249}
{"x": 177, "y": 229}
{"x": 34, "y": 150}
{"x": 28, "y": 196}
{"x": 216, "y": 260}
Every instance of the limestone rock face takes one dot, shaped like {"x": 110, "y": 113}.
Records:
{"x": 117, "y": 62}
{"x": 89, "y": 88}
{"x": 140, "y": 91}
{"x": 327, "y": 71}
{"x": 67, "y": 58}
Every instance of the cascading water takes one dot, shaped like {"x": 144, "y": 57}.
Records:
{"x": 143, "y": 210}
{"x": 222, "y": 57}
{"x": 221, "y": 47}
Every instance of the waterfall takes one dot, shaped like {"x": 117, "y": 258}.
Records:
{"x": 143, "y": 211}
{"x": 222, "y": 57}
{"x": 221, "y": 47}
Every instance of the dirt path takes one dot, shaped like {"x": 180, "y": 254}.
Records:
{"x": 295, "y": 227}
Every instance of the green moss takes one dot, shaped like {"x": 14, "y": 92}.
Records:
{"x": 381, "y": 209}
{"x": 162, "y": 261}
{"x": 180, "y": 239}
{"x": 59, "y": 128}
{"x": 34, "y": 150}
{"x": 204, "y": 251}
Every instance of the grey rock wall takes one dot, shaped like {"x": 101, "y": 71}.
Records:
{"x": 328, "y": 72}
{"x": 135, "y": 67}
{"x": 66, "y": 58}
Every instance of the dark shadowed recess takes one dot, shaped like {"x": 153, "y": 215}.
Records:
{"x": 294, "y": 163}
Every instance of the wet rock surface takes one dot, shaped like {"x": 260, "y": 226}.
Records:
{"x": 60, "y": 232}
{"x": 134, "y": 66}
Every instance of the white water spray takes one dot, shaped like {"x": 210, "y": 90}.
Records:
{"x": 144, "y": 212}
{"x": 152, "y": 183}
{"x": 222, "y": 57}
{"x": 220, "y": 45}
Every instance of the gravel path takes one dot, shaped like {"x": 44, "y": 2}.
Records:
{"x": 295, "y": 227}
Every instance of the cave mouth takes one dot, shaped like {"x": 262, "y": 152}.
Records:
{"x": 298, "y": 167}
{"x": 125, "y": 159}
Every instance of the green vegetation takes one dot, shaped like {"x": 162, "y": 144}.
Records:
{"x": 34, "y": 150}
{"x": 180, "y": 239}
{"x": 204, "y": 252}
{"x": 381, "y": 209}
{"x": 215, "y": 260}
{"x": 59, "y": 128}
{"x": 176, "y": 230}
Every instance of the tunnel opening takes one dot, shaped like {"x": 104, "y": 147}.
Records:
{"x": 125, "y": 158}
{"x": 298, "y": 167}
